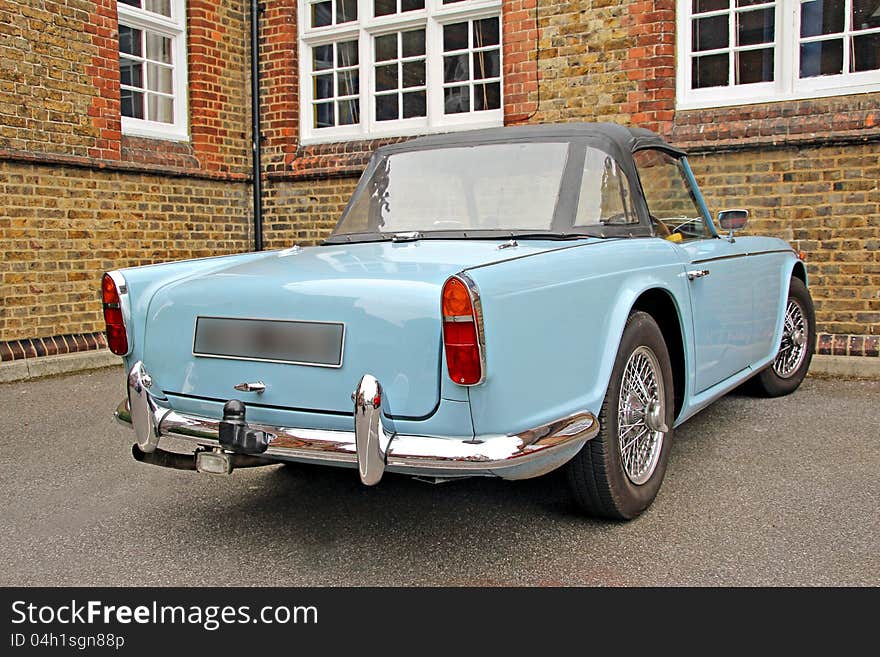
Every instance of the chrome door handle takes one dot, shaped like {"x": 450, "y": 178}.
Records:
{"x": 257, "y": 387}
{"x": 697, "y": 273}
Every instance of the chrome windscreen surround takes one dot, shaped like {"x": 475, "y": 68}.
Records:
{"x": 372, "y": 446}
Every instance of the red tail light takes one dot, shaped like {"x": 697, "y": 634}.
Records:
{"x": 462, "y": 334}
{"x": 117, "y": 338}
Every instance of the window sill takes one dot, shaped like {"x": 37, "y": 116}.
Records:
{"x": 815, "y": 88}
{"x": 150, "y": 130}
{"x": 404, "y": 131}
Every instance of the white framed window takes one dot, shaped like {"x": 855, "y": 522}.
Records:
{"x": 373, "y": 68}
{"x": 733, "y": 52}
{"x": 152, "y": 68}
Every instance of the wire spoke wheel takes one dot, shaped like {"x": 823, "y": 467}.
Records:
{"x": 793, "y": 347}
{"x": 641, "y": 411}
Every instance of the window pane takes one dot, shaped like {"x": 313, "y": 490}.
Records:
{"x": 755, "y": 27}
{"x": 754, "y": 66}
{"x": 866, "y": 14}
{"x": 414, "y": 74}
{"x": 822, "y": 58}
{"x": 324, "y": 115}
{"x": 158, "y": 6}
{"x": 346, "y": 11}
{"x": 129, "y": 40}
{"x": 486, "y": 32}
{"x": 821, "y": 17}
{"x": 384, "y": 7}
{"x": 322, "y": 14}
{"x": 133, "y": 3}
{"x": 414, "y": 104}
{"x": 160, "y": 108}
{"x": 709, "y": 71}
{"x": 413, "y": 43}
{"x": 749, "y": 3}
{"x": 487, "y": 64}
{"x": 866, "y": 52}
{"x": 386, "y": 77}
{"x": 160, "y": 78}
{"x": 386, "y": 107}
{"x": 487, "y": 96}
{"x": 158, "y": 48}
{"x": 322, "y": 57}
{"x": 669, "y": 196}
{"x": 130, "y": 72}
{"x": 346, "y": 54}
{"x": 701, "y": 6}
{"x": 604, "y": 195}
{"x": 455, "y": 37}
{"x": 411, "y": 5}
{"x": 347, "y": 84}
{"x": 710, "y": 33}
{"x": 386, "y": 47}
{"x": 131, "y": 103}
{"x": 455, "y": 68}
{"x": 456, "y": 100}
{"x": 349, "y": 111}
{"x": 323, "y": 86}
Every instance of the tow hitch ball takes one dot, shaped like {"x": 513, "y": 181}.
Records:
{"x": 235, "y": 434}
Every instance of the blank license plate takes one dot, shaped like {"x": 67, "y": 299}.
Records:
{"x": 280, "y": 341}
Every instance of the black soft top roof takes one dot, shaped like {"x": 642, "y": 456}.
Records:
{"x": 617, "y": 137}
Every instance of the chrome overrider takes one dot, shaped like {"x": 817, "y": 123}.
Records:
{"x": 373, "y": 446}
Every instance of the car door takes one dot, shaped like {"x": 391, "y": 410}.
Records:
{"x": 720, "y": 287}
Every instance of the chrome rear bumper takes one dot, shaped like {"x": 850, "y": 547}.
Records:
{"x": 373, "y": 446}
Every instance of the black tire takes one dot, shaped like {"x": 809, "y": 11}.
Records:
{"x": 770, "y": 382}
{"x": 597, "y": 476}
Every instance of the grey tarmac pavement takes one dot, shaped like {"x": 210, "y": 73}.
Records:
{"x": 758, "y": 492}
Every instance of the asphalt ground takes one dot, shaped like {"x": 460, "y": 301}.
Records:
{"x": 758, "y": 492}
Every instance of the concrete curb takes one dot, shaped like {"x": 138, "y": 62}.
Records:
{"x": 845, "y": 367}
{"x": 34, "y": 368}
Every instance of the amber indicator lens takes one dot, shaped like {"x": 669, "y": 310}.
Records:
{"x": 456, "y": 299}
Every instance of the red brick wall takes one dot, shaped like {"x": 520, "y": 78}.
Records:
{"x": 520, "y": 75}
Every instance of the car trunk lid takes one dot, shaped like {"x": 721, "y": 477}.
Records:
{"x": 377, "y": 303}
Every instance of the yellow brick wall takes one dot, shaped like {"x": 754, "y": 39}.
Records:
{"x": 62, "y": 227}
{"x": 303, "y": 212}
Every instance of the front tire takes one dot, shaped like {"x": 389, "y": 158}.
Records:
{"x": 790, "y": 365}
{"x": 618, "y": 474}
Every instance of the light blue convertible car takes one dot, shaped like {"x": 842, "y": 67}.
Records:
{"x": 493, "y": 303}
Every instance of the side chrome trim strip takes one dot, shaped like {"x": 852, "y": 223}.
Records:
{"x": 742, "y": 255}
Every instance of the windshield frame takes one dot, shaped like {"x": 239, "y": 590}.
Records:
{"x": 562, "y": 224}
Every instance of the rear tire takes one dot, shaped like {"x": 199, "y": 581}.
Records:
{"x": 789, "y": 367}
{"x": 618, "y": 474}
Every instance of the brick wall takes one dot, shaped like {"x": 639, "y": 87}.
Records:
{"x": 61, "y": 227}
{"x": 78, "y": 197}
{"x": 303, "y": 212}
